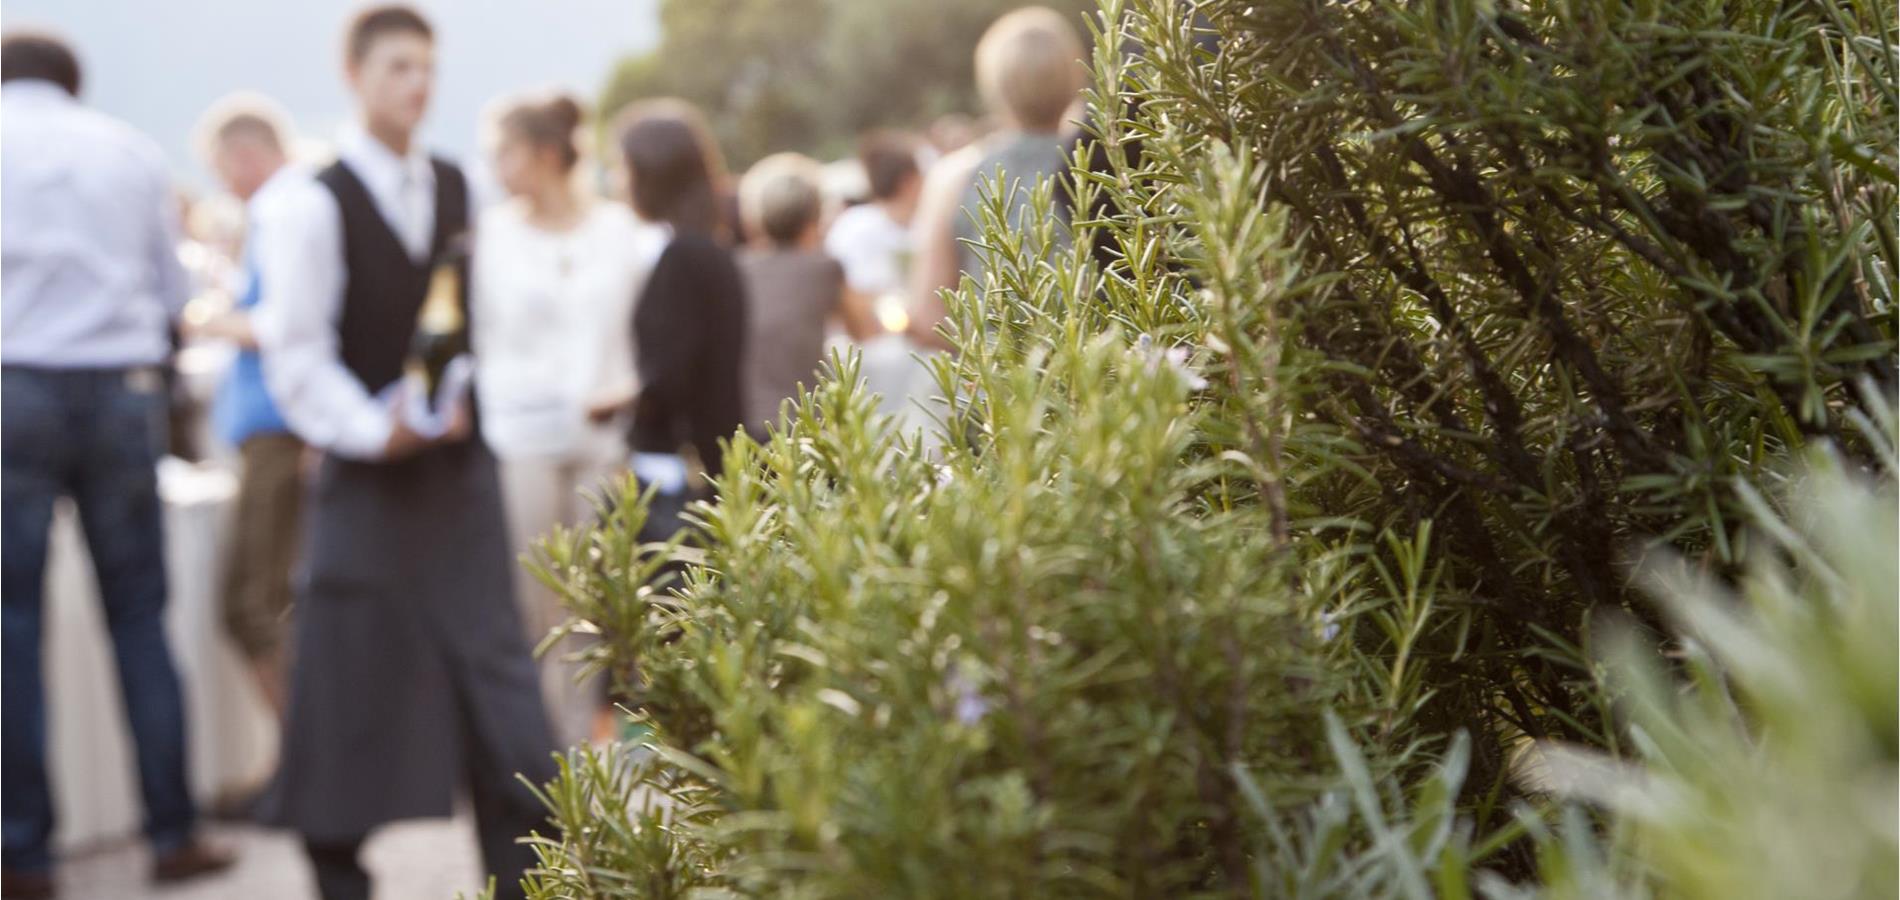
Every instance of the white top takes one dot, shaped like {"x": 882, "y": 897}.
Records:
{"x": 298, "y": 232}
{"x": 89, "y": 271}
{"x": 553, "y": 326}
{"x": 873, "y": 248}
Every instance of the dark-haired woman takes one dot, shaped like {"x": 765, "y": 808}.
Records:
{"x": 689, "y": 320}
{"x": 554, "y": 281}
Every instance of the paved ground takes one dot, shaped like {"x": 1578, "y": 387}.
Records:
{"x": 426, "y": 860}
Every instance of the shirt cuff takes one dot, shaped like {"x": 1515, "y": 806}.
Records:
{"x": 364, "y": 435}
{"x": 665, "y": 472}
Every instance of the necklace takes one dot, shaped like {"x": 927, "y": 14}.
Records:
{"x": 563, "y": 239}
{"x": 563, "y": 246}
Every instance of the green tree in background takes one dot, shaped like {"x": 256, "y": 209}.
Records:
{"x": 809, "y": 75}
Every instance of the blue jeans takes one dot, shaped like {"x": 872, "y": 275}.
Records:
{"x": 96, "y": 436}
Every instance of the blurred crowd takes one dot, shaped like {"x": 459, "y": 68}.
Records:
{"x": 415, "y": 381}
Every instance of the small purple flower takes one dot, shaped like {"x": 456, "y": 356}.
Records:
{"x": 1329, "y": 626}
{"x": 1175, "y": 358}
{"x": 970, "y": 706}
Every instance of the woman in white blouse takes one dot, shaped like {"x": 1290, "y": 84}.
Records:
{"x": 555, "y": 274}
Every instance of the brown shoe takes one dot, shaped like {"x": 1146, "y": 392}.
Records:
{"x": 25, "y": 885}
{"x": 191, "y": 861}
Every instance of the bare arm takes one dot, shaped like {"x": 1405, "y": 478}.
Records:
{"x": 232, "y": 325}
{"x": 854, "y": 313}
{"x": 934, "y": 236}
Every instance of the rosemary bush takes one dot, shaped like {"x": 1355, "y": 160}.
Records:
{"x": 1572, "y": 272}
{"x": 1289, "y": 479}
{"x": 1762, "y": 761}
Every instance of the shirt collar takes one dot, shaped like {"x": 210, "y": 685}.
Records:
{"x": 380, "y": 166}
{"x": 37, "y": 90}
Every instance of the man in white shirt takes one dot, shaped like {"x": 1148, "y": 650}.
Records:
{"x": 872, "y": 240}
{"x": 411, "y": 676}
{"x": 91, "y": 285}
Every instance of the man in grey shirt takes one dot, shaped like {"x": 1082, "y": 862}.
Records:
{"x": 90, "y": 286}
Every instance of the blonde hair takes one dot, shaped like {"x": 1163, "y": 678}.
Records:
{"x": 780, "y": 196}
{"x": 243, "y": 114}
{"x": 1028, "y": 64}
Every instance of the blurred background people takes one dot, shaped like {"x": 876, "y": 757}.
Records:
{"x": 555, "y": 275}
{"x": 689, "y": 321}
{"x": 872, "y": 240}
{"x": 1029, "y": 71}
{"x": 411, "y": 677}
{"x": 90, "y": 285}
{"x": 246, "y": 141}
{"x": 605, "y": 336}
{"x": 793, "y": 289}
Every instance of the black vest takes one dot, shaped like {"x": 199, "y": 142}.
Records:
{"x": 383, "y": 288}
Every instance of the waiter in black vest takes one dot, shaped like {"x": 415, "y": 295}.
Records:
{"x": 410, "y": 673}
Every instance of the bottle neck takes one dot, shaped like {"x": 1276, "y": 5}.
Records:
{"x": 442, "y": 306}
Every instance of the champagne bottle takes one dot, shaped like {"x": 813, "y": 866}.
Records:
{"x": 441, "y": 333}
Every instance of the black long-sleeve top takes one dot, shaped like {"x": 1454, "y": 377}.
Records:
{"x": 689, "y": 336}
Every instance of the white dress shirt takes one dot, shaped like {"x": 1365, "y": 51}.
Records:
{"x": 299, "y": 235}
{"x": 89, "y": 271}
{"x": 553, "y": 326}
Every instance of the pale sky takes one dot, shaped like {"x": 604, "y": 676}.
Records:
{"x": 159, "y": 63}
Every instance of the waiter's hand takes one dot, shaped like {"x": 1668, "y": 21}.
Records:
{"x": 404, "y": 442}
{"x": 461, "y": 424}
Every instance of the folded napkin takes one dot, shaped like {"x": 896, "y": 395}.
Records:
{"x": 426, "y": 416}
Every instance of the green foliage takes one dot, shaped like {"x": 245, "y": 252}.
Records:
{"x": 808, "y": 75}
{"x": 1024, "y": 672}
{"x": 1066, "y": 654}
{"x": 1288, "y": 479}
{"x": 1365, "y": 838}
{"x": 1574, "y": 271}
{"x": 1764, "y": 752}
{"x": 1768, "y": 766}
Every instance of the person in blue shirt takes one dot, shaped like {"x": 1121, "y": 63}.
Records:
{"x": 244, "y": 141}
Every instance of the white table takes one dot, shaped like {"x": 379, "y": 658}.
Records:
{"x": 230, "y": 732}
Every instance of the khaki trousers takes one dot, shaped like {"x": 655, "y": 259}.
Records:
{"x": 540, "y": 493}
{"x": 263, "y": 543}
